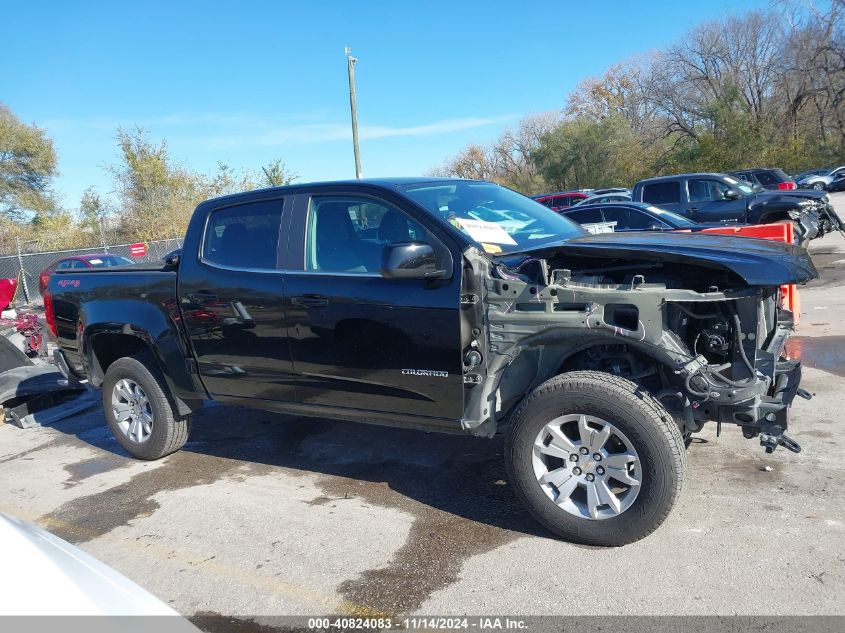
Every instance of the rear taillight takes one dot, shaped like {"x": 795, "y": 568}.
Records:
{"x": 787, "y": 186}
{"x": 49, "y": 313}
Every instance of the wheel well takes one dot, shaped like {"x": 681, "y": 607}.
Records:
{"x": 107, "y": 347}
{"x": 533, "y": 366}
{"x": 774, "y": 216}
{"x": 619, "y": 359}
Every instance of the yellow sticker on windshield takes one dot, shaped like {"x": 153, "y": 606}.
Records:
{"x": 491, "y": 248}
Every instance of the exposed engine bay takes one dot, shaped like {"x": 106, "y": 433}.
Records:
{"x": 700, "y": 338}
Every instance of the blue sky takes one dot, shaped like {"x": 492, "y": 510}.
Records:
{"x": 248, "y": 82}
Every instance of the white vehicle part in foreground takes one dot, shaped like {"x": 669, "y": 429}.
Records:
{"x": 44, "y": 575}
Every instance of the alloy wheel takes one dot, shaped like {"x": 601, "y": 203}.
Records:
{"x": 587, "y": 466}
{"x": 132, "y": 410}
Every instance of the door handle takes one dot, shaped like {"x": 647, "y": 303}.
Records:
{"x": 693, "y": 209}
{"x": 310, "y": 301}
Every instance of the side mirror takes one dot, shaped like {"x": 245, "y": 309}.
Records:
{"x": 409, "y": 261}
{"x": 171, "y": 260}
{"x": 732, "y": 194}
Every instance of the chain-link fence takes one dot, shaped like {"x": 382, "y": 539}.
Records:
{"x": 28, "y": 266}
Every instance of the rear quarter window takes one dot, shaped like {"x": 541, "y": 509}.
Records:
{"x": 662, "y": 192}
{"x": 586, "y": 216}
{"x": 765, "y": 178}
{"x": 244, "y": 236}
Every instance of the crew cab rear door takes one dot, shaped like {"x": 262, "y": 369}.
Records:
{"x": 231, "y": 299}
{"x": 360, "y": 340}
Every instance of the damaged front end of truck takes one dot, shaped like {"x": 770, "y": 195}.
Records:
{"x": 697, "y": 322}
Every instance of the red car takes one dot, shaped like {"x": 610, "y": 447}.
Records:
{"x": 95, "y": 260}
{"x": 560, "y": 200}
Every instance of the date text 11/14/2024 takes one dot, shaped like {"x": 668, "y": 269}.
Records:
{"x": 418, "y": 623}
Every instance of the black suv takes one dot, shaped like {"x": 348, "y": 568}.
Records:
{"x": 775, "y": 179}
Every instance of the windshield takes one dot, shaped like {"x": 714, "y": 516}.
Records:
{"x": 497, "y": 219}
{"x": 670, "y": 216}
{"x": 743, "y": 186}
{"x": 107, "y": 261}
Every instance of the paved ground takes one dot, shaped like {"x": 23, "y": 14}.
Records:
{"x": 266, "y": 514}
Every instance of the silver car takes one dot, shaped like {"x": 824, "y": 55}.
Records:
{"x": 818, "y": 179}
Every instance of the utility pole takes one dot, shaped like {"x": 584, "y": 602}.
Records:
{"x": 353, "y": 106}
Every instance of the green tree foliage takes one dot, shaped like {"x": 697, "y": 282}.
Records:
{"x": 581, "y": 151}
{"x": 275, "y": 174}
{"x": 27, "y": 167}
{"x": 96, "y": 217}
{"x": 766, "y": 88}
{"x": 156, "y": 193}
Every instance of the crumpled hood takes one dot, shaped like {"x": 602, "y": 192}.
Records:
{"x": 808, "y": 194}
{"x": 758, "y": 262}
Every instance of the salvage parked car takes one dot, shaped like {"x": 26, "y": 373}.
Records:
{"x": 775, "y": 179}
{"x": 631, "y": 216}
{"x": 560, "y": 200}
{"x": 619, "y": 195}
{"x": 722, "y": 198}
{"x": 597, "y": 355}
{"x": 838, "y": 184}
{"x": 96, "y": 260}
{"x": 819, "y": 179}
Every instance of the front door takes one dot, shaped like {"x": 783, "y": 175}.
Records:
{"x": 358, "y": 339}
{"x": 231, "y": 299}
{"x": 709, "y": 202}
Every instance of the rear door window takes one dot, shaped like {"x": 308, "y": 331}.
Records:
{"x": 244, "y": 236}
{"x": 637, "y": 220}
{"x": 765, "y": 178}
{"x": 618, "y": 216}
{"x": 662, "y": 192}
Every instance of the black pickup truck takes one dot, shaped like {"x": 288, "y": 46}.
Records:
{"x": 457, "y": 306}
{"x": 723, "y": 198}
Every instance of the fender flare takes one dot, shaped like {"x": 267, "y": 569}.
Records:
{"x": 87, "y": 336}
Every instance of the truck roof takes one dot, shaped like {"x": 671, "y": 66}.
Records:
{"x": 674, "y": 176}
{"x": 387, "y": 183}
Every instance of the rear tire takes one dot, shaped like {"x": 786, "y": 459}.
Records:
{"x": 635, "y": 451}
{"x": 139, "y": 411}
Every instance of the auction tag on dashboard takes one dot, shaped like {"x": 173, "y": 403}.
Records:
{"x": 482, "y": 231}
{"x": 491, "y": 248}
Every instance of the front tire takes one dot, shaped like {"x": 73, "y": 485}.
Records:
{"x": 798, "y": 236}
{"x": 818, "y": 186}
{"x": 595, "y": 459}
{"x": 138, "y": 410}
